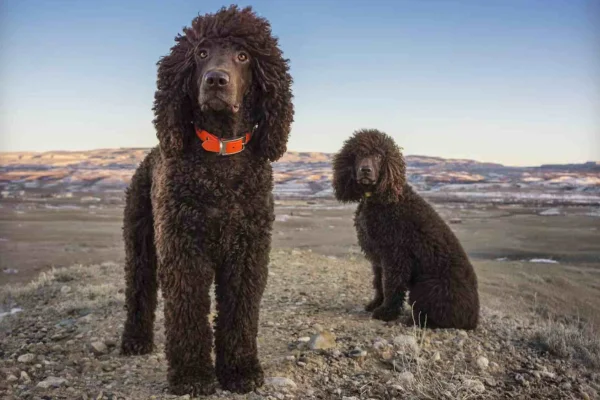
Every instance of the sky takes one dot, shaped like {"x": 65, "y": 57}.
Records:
{"x": 510, "y": 81}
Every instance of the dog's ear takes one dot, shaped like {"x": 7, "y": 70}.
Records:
{"x": 174, "y": 98}
{"x": 273, "y": 110}
{"x": 345, "y": 186}
{"x": 392, "y": 175}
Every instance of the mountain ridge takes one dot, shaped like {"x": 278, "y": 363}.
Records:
{"x": 308, "y": 175}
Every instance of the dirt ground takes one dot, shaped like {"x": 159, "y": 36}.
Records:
{"x": 539, "y": 282}
{"x": 500, "y": 240}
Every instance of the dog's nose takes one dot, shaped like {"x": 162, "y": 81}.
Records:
{"x": 365, "y": 170}
{"x": 216, "y": 79}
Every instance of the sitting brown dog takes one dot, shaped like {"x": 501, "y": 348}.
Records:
{"x": 409, "y": 245}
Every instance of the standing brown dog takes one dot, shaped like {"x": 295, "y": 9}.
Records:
{"x": 200, "y": 207}
{"x": 409, "y": 245}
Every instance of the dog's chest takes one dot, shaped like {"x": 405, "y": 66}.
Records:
{"x": 375, "y": 226}
{"x": 213, "y": 196}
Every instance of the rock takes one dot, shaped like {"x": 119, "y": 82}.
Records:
{"x": 318, "y": 328}
{"x": 455, "y": 221}
{"x": 357, "y": 353}
{"x": 547, "y": 374}
{"x": 406, "y": 378}
{"x": 521, "y": 379}
{"x": 280, "y": 382}
{"x": 380, "y": 344}
{"x": 110, "y": 342}
{"x": 322, "y": 341}
{"x": 65, "y": 289}
{"x": 406, "y": 344}
{"x": 463, "y": 334}
{"x": 11, "y": 378}
{"x": 304, "y": 339}
{"x": 350, "y": 398}
{"x": 491, "y": 382}
{"x": 436, "y": 357}
{"x": 99, "y": 348}
{"x": 566, "y": 386}
{"x": 26, "y": 358}
{"x": 482, "y": 363}
{"x": 474, "y": 385}
{"x": 24, "y": 377}
{"x": 51, "y": 381}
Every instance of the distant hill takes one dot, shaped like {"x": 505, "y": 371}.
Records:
{"x": 308, "y": 174}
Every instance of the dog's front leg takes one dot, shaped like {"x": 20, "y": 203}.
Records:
{"x": 240, "y": 283}
{"x": 378, "y": 287}
{"x": 185, "y": 280}
{"x": 395, "y": 278}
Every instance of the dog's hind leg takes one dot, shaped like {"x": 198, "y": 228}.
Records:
{"x": 140, "y": 264}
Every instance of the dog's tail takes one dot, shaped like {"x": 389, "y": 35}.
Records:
{"x": 140, "y": 262}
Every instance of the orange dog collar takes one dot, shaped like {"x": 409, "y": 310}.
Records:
{"x": 224, "y": 147}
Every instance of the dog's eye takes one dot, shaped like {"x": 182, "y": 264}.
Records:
{"x": 243, "y": 57}
{"x": 203, "y": 54}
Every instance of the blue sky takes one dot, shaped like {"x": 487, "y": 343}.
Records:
{"x": 512, "y": 81}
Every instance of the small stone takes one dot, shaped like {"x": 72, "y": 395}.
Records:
{"x": 290, "y": 358}
{"x": 407, "y": 344}
{"x": 482, "y": 363}
{"x": 185, "y": 396}
{"x": 24, "y": 377}
{"x": 98, "y": 348}
{"x": 26, "y": 358}
{"x": 301, "y": 364}
{"x": 318, "y": 328}
{"x": 474, "y": 385}
{"x": 322, "y": 341}
{"x": 547, "y": 374}
{"x": 566, "y": 386}
{"x": 357, "y": 353}
{"x": 65, "y": 289}
{"x": 463, "y": 334}
{"x": 491, "y": 382}
{"x": 304, "y": 339}
{"x": 11, "y": 378}
{"x": 51, "y": 381}
{"x": 380, "y": 344}
{"x": 280, "y": 382}
{"x": 406, "y": 378}
{"x": 521, "y": 379}
{"x": 349, "y": 398}
{"x": 436, "y": 357}
{"x": 110, "y": 342}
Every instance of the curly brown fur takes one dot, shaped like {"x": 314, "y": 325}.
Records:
{"x": 409, "y": 245}
{"x": 193, "y": 217}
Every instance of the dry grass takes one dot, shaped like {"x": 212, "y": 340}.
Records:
{"x": 570, "y": 341}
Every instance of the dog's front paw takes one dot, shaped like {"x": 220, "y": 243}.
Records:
{"x": 372, "y": 305}
{"x": 136, "y": 347}
{"x": 242, "y": 379}
{"x": 200, "y": 388}
{"x": 385, "y": 314}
